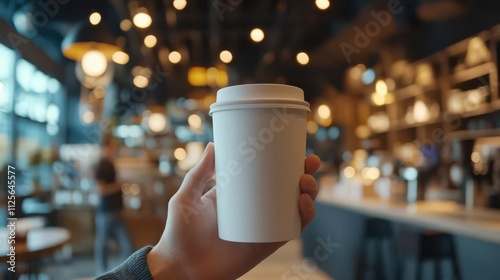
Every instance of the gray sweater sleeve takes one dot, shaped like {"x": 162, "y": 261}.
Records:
{"x": 134, "y": 268}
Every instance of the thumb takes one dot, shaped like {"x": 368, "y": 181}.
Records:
{"x": 195, "y": 180}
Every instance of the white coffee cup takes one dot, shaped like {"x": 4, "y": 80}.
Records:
{"x": 260, "y": 142}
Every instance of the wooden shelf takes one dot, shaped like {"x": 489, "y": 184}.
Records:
{"x": 483, "y": 109}
{"x": 407, "y": 92}
{"x": 473, "y": 134}
{"x": 402, "y": 125}
{"x": 472, "y": 73}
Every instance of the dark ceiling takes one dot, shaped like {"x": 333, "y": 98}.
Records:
{"x": 204, "y": 28}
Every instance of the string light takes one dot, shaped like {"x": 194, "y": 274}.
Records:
{"x": 322, "y": 4}
{"x": 94, "y": 63}
{"x": 226, "y": 56}
{"x": 180, "y": 154}
{"x": 174, "y": 57}
{"x": 142, "y": 19}
{"x": 257, "y": 35}
{"x": 150, "y": 41}
{"x": 179, "y": 4}
{"x": 302, "y": 58}
{"x": 95, "y": 18}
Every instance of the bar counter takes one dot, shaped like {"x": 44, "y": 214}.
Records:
{"x": 447, "y": 216}
{"x": 339, "y": 231}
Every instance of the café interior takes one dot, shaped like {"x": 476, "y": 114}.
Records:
{"x": 405, "y": 117}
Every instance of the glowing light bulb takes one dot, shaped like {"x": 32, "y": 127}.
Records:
{"x": 302, "y": 58}
{"x": 142, "y": 19}
{"x": 94, "y": 63}
{"x": 322, "y": 4}
{"x": 226, "y": 56}
{"x": 180, "y": 154}
{"x": 140, "y": 81}
{"x": 381, "y": 87}
{"x": 95, "y": 18}
{"x": 174, "y": 57}
{"x": 120, "y": 57}
{"x": 324, "y": 111}
{"x": 257, "y": 35}
{"x": 157, "y": 122}
{"x": 194, "y": 121}
{"x": 150, "y": 41}
{"x": 179, "y": 4}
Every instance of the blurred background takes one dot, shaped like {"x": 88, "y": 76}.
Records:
{"x": 405, "y": 117}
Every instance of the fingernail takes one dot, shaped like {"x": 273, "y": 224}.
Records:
{"x": 205, "y": 152}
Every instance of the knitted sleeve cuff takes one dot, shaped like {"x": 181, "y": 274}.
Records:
{"x": 135, "y": 267}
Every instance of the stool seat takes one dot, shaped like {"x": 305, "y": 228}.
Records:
{"x": 378, "y": 258}
{"x": 436, "y": 246}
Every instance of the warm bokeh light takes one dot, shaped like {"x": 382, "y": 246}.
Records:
{"x": 157, "y": 122}
{"x": 381, "y": 87}
{"x": 226, "y": 56}
{"x": 378, "y": 99}
{"x": 312, "y": 127}
{"x": 179, "y": 4}
{"x": 421, "y": 112}
{"x": 349, "y": 172}
{"x": 362, "y": 131}
{"x": 140, "y": 81}
{"x": 88, "y": 117}
{"x": 370, "y": 173}
{"x": 302, "y": 58}
{"x": 180, "y": 154}
{"x": 379, "y": 122}
{"x": 142, "y": 19}
{"x": 194, "y": 121}
{"x": 150, "y": 41}
{"x": 120, "y": 57}
{"x": 324, "y": 111}
{"x": 125, "y": 25}
{"x": 257, "y": 35}
{"x": 174, "y": 57}
{"x": 95, "y": 18}
{"x": 197, "y": 76}
{"x": 322, "y": 4}
{"x": 94, "y": 63}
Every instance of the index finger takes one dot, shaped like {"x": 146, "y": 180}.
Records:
{"x": 312, "y": 164}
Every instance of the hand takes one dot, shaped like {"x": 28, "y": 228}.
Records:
{"x": 190, "y": 247}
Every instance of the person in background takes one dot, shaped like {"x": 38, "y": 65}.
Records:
{"x": 108, "y": 220}
{"x": 190, "y": 247}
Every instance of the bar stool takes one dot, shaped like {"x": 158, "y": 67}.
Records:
{"x": 377, "y": 231}
{"x": 435, "y": 246}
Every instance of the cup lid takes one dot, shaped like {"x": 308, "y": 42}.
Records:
{"x": 259, "y": 91}
{"x": 259, "y": 96}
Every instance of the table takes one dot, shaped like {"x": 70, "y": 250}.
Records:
{"x": 40, "y": 242}
{"x": 447, "y": 216}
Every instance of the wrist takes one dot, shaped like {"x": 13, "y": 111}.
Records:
{"x": 163, "y": 266}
